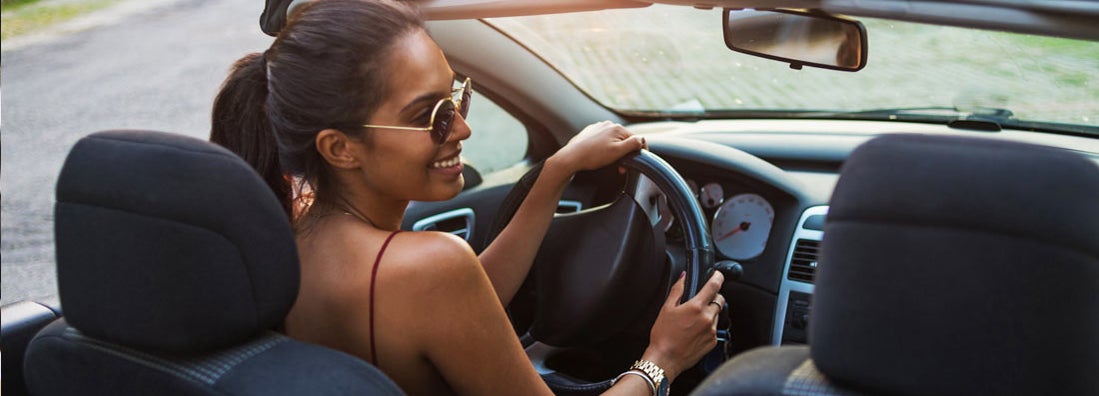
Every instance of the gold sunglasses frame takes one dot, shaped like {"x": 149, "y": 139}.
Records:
{"x": 466, "y": 85}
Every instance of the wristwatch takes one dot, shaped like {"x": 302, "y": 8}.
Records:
{"x": 655, "y": 373}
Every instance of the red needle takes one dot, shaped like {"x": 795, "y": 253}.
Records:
{"x": 743, "y": 227}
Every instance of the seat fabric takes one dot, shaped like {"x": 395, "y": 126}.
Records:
{"x": 954, "y": 266}
{"x": 960, "y": 266}
{"x": 175, "y": 261}
{"x": 786, "y": 370}
{"x": 270, "y": 364}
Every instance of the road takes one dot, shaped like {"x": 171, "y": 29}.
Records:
{"x": 156, "y": 68}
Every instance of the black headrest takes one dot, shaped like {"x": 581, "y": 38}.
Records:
{"x": 960, "y": 266}
{"x": 169, "y": 243}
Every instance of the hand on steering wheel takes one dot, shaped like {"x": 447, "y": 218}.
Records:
{"x": 595, "y": 269}
{"x": 684, "y": 333}
{"x": 598, "y": 145}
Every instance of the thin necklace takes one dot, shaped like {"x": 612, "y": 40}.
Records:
{"x": 350, "y": 211}
{"x": 358, "y": 216}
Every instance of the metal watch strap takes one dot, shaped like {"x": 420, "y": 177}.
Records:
{"x": 654, "y": 372}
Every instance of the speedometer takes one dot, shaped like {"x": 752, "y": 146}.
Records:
{"x": 741, "y": 226}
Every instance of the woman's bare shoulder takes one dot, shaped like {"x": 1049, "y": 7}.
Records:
{"x": 347, "y": 250}
{"x": 343, "y": 262}
{"x": 431, "y": 244}
{"x": 428, "y": 256}
{"x": 432, "y": 275}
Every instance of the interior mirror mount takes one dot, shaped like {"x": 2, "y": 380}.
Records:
{"x": 800, "y": 38}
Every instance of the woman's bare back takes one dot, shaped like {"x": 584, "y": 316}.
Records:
{"x": 434, "y": 308}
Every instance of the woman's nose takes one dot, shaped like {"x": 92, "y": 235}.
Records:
{"x": 461, "y": 131}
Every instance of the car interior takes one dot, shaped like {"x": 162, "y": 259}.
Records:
{"x": 863, "y": 254}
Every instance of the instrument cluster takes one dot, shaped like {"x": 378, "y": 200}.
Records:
{"x": 740, "y": 221}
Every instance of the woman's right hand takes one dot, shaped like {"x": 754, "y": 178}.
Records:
{"x": 684, "y": 333}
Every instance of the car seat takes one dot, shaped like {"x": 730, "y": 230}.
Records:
{"x": 949, "y": 266}
{"x": 175, "y": 262}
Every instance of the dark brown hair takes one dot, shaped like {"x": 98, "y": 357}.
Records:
{"x": 324, "y": 70}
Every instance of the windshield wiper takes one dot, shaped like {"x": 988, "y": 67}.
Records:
{"x": 988, "y": 119}
{"x": 955, "y": 112}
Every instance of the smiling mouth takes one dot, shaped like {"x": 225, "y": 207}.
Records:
{"x": 453, "y": 161}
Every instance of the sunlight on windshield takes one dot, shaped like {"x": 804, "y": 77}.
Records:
{"x": 667, "y": 58}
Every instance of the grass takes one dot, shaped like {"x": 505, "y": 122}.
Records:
{"x": 7, "y": 4}
{"x": 20, "y": 17}
{"x": 1077, "y": 48}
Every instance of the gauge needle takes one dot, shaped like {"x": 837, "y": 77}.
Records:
{"x": 743, "y": 227}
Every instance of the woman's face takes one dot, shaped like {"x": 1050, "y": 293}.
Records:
{"x": 404, "y": 164}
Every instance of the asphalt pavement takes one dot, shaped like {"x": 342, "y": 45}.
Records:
{"x": 142, "y": 64}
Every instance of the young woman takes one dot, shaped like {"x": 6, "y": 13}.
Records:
{"x": 355, "y": 99}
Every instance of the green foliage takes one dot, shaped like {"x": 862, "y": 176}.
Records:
{"x": 23, "y": 16}
{"x": 6, "y": 5}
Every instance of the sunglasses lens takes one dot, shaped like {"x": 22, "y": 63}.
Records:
{"x": 444, "y": 119}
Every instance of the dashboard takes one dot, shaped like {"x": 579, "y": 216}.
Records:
{"x": 764, "y": 187}
{"x": 752, "y": 223}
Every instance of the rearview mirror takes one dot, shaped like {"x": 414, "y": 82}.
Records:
{"x": 797, "y": 37}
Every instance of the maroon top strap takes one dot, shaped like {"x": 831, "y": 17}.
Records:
{"x": 373, "y": 278}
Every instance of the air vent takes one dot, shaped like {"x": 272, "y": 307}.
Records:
{"x": 459, "y": 222}
{"x": 803, "y": 265}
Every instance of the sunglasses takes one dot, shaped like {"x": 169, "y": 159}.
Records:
{"x": 442, "y": 116}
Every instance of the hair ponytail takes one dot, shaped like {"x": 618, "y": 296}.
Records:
{"x": 240, "y": 124}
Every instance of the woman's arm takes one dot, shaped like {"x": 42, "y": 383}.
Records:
{"x": 508, "y": 259}
{"x": 460, "y": 327}
{"x": 465, "y": 333}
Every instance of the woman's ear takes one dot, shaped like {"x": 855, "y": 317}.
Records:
{"x": 338, "y": 149}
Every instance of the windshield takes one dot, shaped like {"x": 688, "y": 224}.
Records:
{"x": 670, "y": 59}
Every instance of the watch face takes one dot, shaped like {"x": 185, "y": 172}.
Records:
{"x": 664, "y": 388}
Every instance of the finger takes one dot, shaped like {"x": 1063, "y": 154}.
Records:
{"x": 719, "y": 307}
{"x": 718, "y": 302}
{"x": 618, "y": 131}
{"x": 710, "y": 289}
{"x": 676, "y": 292}
{"x": 631, "y": 144}
{"x": 721, "y": 300}
{"x": 716, "y": 305}
{"x": 603, "y": 126}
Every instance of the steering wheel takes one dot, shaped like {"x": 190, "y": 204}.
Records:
{"x": 698, "y": 243}
{"x": 598, "y": 270}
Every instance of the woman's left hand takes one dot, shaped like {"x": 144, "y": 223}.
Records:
{"x": 598, "y": 145}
